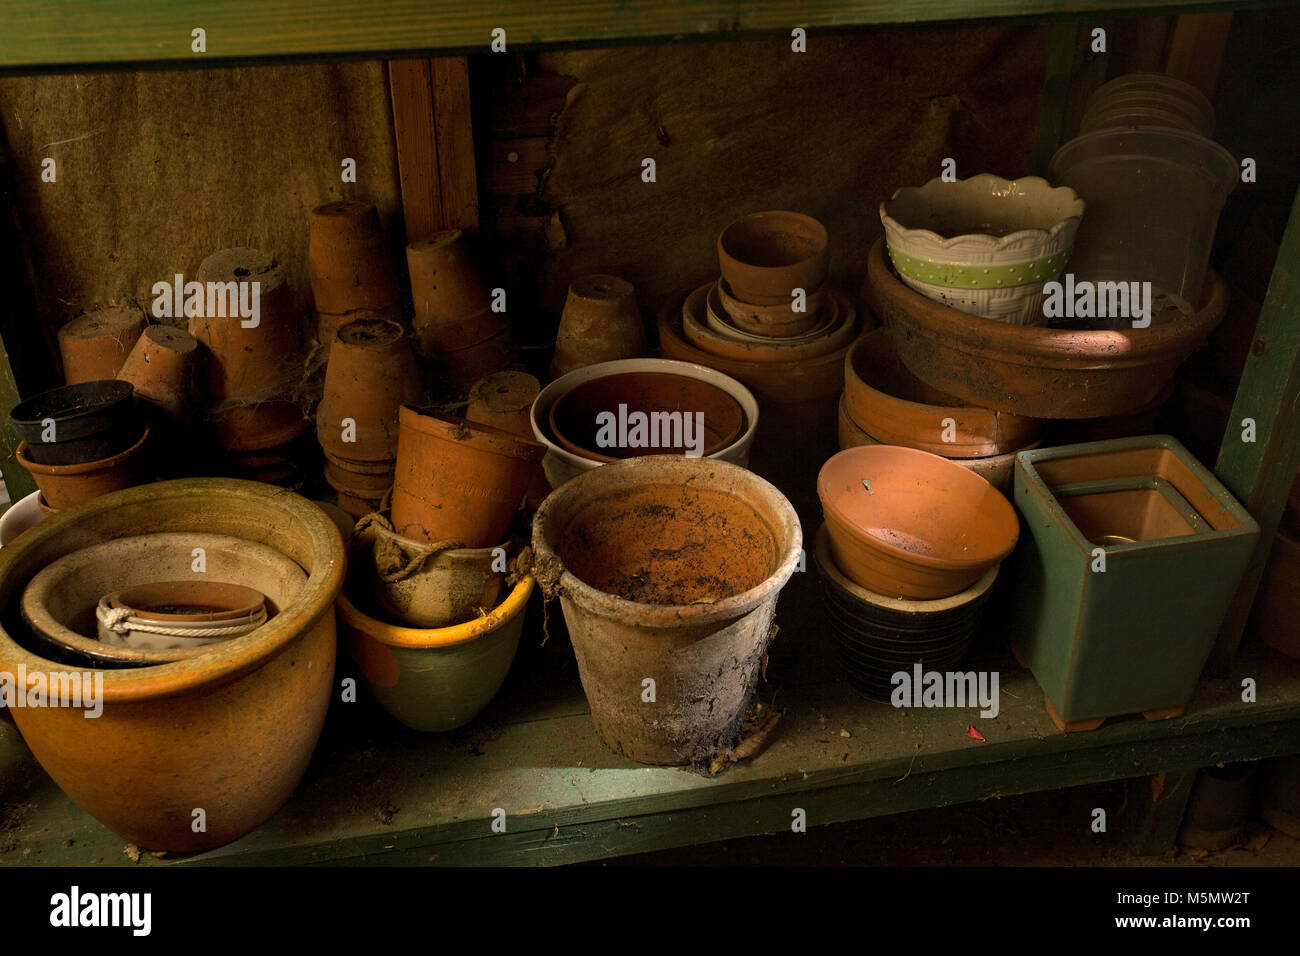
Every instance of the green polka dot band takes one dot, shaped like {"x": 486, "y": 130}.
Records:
{"x": 978, "y": 277}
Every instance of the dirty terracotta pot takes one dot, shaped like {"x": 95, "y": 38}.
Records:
{"x": 75, "y": 424}
{"x": 766, "y": 255}
{"x": 423, "y": 585}
{"x": 231, "y": 730}
{"x": 348, "y": 260}
{"x": 458, "y": 480}
{"x": 1038, "y": 372}
{"x": 505, "y": 400}
{"x": 162, "y": 367}
{"x": 94, "y": 346}
{"x": 668, "y": 568}
{"x": 370, "y": 375}
{"x": 1276, "y": 616}
{"x": 905, "y": 523}
{"x": 435, "y": 679}
{"x": 463, "y": 367}
{"x": 896, "y": 408}
{"x": 59, "y": 602}
{"x": 328, "y": 323}
{"x": 600, "y": 323}
{"x": 452, "y": 298}
{"x": 63, "y": 486}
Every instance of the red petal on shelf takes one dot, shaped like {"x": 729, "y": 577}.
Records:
{"x": 972, "y": 733}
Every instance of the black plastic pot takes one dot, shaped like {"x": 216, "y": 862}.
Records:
{"x": 92, "y": 421}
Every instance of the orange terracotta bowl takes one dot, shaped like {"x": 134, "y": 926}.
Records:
{"x": 766, "y": 255}
{"x": 909, "y": 524}
{"x": 837, "y": 334}
{"x": 774, "y": 321}
{"x": 575, "y": 418}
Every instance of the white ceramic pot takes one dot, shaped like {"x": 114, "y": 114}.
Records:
{"x": 21, "y": 515}
{"x": 983, "y": 245}
{"x": 561, "y": 464}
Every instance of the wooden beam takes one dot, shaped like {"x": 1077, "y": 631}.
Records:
{"x": 455, "y": 138}
{"x": 411, "y": 85}
{"x": 1196, "y": 47}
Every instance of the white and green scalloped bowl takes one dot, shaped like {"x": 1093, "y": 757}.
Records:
{"x": 984, "y": 245}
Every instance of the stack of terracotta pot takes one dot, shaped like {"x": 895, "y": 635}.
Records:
{"x": 772, "y": 320}
{"x": 350, "y": 267}
{"x": 600, "y": 323}
{"x": 370, "y": 374}
{"x": 253, "y": 370}
{"x": 459, "y": 321}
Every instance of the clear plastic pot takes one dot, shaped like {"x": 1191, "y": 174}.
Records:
{"x": 1148, "y": 99}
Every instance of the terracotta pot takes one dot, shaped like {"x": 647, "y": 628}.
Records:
{"x": 833, "y": 337}
{"x": 458, "y": 480}
{"x": 773, "y": 321}
{"x": 60, "y": 601}
{"x": 577, "y": 423}
{"x": 191, "y": 608}
{"x": 669, "y": 569}
{"x": 561, "y": 463}
{"x": 466, "y": 366}
{"x": 1038, "y": 372}
{"x": 423, "y": 585}
{"x": 352, "y": 466}
{"x": 46, "y": 510}
{"x": 505, "y": 400}
{"x": 766, "y": 255}
{"x": 600, "y": 323}
{"x": 94, "y": 346}
{"x": 371, "y": 373}
{"x": 79, "y": 423}
{"x": 328, "y": 323}
{"x": 452, "y": 299}
{"x": 63, "y": 486}
{"x": 254, "y": 364}
{"x": 905, "y": 523}
{"x": 162, "y": 367}
{"x": 782, "y": 383}
{"x": 897, "y": 408}
{"x": 230, "y": 730}
{"x": 435, "y": 679}
{"x": 361, "y": 484}
{"x": 1276, "y": 616}
{"x": 348, "y": 259}
{"x": 357, "y": 506}
{"x": 242, "y": 427}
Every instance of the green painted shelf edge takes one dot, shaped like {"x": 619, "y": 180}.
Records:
{"x": 64, "y": 33}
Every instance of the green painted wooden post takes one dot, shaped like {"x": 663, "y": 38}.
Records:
{"x": 17, "y": 481}
{"x": 1260, "y": 472}
{"x": 1056, "y": 93}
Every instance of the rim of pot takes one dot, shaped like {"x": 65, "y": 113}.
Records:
{"x": 552, "y": 393}
{"x": 119, "y": 391}
{"x": 396, "y": 635}
{"x": 322, "y": 556}
{"x": 84, "y": 467}
{"x": 435, "y": 424}
{"x": 659, "y": 468}
{"x": 828, "y": 567}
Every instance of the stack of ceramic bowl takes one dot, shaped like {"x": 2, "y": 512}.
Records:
{"x": 434, "y": 606}
{"x": 253, "y": 369}
{"x": 369, "y": 375}
{"x": 910, "y": 548}
{"x": 772, "y": 320}
{"x": 633, "y": 407}
{"x": 885, "y": 404}
{"x": 983, "y": 245}
{"x": 81, "y": 441}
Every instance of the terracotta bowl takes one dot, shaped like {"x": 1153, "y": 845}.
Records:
{"x": 905, "y": 523}
{"x": 896, "y": 408}
{"x": 695, "y": 325}
{"x": 576, "y": 416}
{"x": 185, "y": 606}
{"x": 771, "y": 321}
{"x": 766, "y": 255}
{"x": 720, "y": 320}
{"x": 1038, "y": 372}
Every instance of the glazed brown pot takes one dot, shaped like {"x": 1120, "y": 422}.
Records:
{"x": 905, "y": 523}
{"x": 504, "y": 400}
{"x": 774, "y": 321}
{"x": 255, "y": 364}
{"x": 1034, "y": 371}
{"x": 94, "y": 346}
{"x": 63, "y": 486}
{"x": 600, "y": 323}
{"x": 162, "y": 367}
{"x": 766, "y": 255}
{"x": 574, "y": 417}
{"x": 348, "y": 259}
{"x": 458, "y": 480}
{"x": 230, "y": 731}
{"x": 370, "y": 375}
{"x": 452, "y": 299}
{"x": 896, "y": 408}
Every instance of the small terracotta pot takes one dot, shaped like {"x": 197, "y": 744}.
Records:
{"x": 766, "y": 255}
{"x": 466, "y": 366}
{"x": 63, "y": 486}
{"x": 505, "y": 400}
{"x": 162, "y": 367}
{"x": 905, "y": 523}
{"x": 328, "y": 323}
{"x": 447, "y": 286}
{"x": 896, "y": 408}
{"x": 774, "y": 321}
{"x": 254, "y": 364}
{"x": 94, "y": 346}
{"x": 600, "y": 323}
{"x": 371, "y": 373}
{"x": 575, "y": 417}
{"x": 187, "y": 607}
{"x": 360, "y": 484}
{"x": 348, "y": 259}
{"x": 256, "y": 427}
{"x": 458, "y": 480}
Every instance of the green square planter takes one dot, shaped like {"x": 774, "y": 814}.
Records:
{"x": 1133, "y": 637}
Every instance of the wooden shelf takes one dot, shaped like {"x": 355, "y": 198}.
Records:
{"x": 67, "y": 33}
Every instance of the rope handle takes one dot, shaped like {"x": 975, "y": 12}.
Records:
{"x": 122, "y": 620}
{"x": 400, "y": 559}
